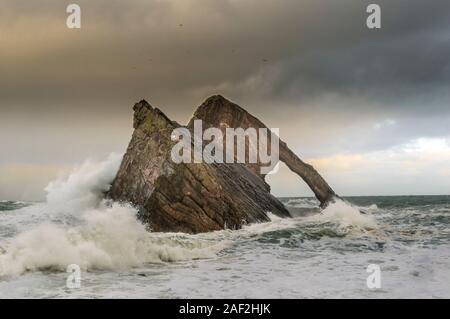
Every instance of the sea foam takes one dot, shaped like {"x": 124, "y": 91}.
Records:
{"x": 346, "y": 216}
{"x": 77, "y": 226}
{"x": 84, "y": 229}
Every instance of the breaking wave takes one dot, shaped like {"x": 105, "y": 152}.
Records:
{"x": 346, "y": 216}
{"x": 77, "y": 226}
{"x": 83, "y": 229}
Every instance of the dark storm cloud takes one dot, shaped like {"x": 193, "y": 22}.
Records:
{"x": 309, "y": 67}
{"x": 296, "y": 57}
{"x": 395, "y": 70}
{"x": 178, "y": 50}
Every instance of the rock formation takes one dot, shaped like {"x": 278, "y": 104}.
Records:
{"x": 217, "y": 111}
{"x": 199, "y": 197}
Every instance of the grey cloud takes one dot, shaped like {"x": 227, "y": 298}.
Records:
{"x": 126, "y": 49}
{"x": 311, "y": 67}
{"x": 394, "y": 71}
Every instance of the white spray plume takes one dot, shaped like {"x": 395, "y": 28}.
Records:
{"x": 103, "y": 237}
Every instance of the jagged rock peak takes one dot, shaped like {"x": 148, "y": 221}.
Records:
{"x": 199, "y": 197}
{"x": 143, "y": 109}
{"x": 230, "y": 113}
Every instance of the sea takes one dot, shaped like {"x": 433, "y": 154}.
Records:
{"x": 76, "y": 244}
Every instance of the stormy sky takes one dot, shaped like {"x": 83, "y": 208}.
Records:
{"x": 370, "y": 109}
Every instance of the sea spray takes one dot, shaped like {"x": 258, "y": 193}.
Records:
{"x": 77, "y": 226}
{"x": 84, "y": 187}
{"x": 86, "y": 230}
{"x": 108, "y": 238}
{"x": 345, "y": 218}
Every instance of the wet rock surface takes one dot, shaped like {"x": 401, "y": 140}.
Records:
{"x": 199, "y": 197}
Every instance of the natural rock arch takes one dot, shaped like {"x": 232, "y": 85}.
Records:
{"x": 219, "y": 112}
{"x": 200, "y": 197}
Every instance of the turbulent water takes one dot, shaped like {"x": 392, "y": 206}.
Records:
{"x": 316, "y": 254}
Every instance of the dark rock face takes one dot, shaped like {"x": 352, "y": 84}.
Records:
{"x": 218, "y": 112}
{"x": 199, "y": 197}
{"x": 190, "y": 198}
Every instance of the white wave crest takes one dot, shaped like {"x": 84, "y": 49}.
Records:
{"x": 346, "y": 216}
{"x": 101, "y": 236}
{"x": 84, "y": 187}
